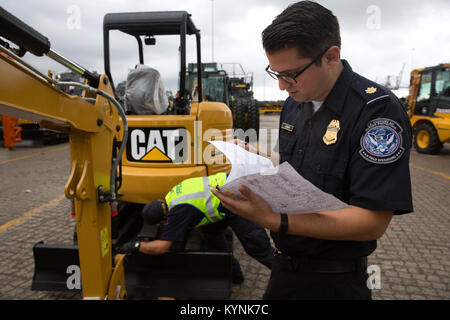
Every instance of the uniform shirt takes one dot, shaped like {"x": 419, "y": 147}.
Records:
{"x": 367, "y": 164}
{"x": 181, "y": 219}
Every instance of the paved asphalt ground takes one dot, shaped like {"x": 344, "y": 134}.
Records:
{"x": 413, "y": 256}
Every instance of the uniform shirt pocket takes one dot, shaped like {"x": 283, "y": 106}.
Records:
{"x": 331, "y": 171}
{"x": 286, "y": 144}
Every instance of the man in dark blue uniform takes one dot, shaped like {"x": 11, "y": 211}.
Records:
{"x": 348, "y": 136}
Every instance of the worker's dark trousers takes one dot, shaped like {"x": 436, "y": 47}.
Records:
{"x": 296, "y": 285}
{"x": 253, "y": 238}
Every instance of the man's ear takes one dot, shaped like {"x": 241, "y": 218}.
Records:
{"x": 332, "y": 56}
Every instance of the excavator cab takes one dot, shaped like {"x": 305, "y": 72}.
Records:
{"x": 164, "y": 149}
{"x": 121, "y": 161}
{"x": 148, "y": 26}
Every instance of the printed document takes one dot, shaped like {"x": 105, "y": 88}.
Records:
{"x": 286, "y": 191}
{"x": 282, "y": 187}
{"x": 242, "y": 162}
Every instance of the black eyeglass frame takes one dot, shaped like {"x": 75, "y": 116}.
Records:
{"x": 287, "y": 78}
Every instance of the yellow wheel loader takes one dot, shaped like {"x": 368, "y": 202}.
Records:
{"x": 122, "y": 156}
{"x": 429, "y": 107}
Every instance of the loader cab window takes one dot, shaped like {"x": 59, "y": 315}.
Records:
{"x": 425, "y": 87}
{"x": 214, "y": 88}
{"x": 442, "y": 84}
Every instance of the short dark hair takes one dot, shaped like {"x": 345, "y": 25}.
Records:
{"x": 305, "y": 25}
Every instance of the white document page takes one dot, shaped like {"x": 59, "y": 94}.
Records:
{"x": 285, "y": 190}
{"x": 242, "y": 162}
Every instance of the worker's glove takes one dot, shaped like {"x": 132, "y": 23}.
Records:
{"x": 129, "y": 247}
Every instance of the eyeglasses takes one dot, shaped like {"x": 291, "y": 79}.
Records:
{"x": 289, "y": 77}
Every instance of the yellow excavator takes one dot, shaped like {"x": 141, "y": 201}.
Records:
{"x": 120, "y": 160}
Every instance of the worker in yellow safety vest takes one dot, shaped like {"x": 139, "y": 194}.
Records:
{"x": 190, "y": 204}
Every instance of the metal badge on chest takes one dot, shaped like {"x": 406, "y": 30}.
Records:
{"x": 330, "y": 136}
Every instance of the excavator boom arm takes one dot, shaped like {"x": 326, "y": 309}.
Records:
{"x": 94, "y": 129}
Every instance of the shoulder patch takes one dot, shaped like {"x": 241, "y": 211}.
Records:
{"x": 382, "y": 141}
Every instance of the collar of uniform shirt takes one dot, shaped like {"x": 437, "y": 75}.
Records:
{"x": 336, "y": 98}
{"x": 317, "y": 105}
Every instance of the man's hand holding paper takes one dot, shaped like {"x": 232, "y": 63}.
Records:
{"x": 282, "y": 187}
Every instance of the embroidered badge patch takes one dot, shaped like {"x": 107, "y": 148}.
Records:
{"x": 382, "y": 141}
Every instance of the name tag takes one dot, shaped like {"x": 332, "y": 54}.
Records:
{"x": 287, "y": 127}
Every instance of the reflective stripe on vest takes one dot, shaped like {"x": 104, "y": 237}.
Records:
{"x": 203, "y": 200}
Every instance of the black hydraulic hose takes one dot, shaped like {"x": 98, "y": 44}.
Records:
{"x": 122, "y": 144}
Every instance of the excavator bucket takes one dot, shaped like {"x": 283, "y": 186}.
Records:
{"x": 56, "y": 267}
{"x": 184, "y": 275}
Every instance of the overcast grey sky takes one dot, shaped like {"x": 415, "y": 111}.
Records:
{"x": 378, "y": 36}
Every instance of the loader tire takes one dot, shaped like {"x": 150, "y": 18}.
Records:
{"x": 240, "y": 120}
{"x": 253, "y": 116}
{"x": 426, "y": 139}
